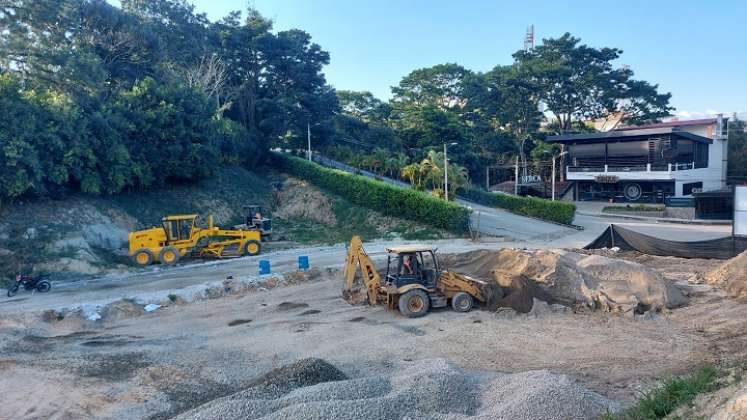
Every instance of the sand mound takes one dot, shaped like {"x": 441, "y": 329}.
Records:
{"x": 731, "y": 275}
{"x": 427, "y": 389}
{"x": 570, "y": 279}
{"x": 300, "y": 199}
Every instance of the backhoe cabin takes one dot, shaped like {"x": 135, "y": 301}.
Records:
{"x": 647, "y": 163}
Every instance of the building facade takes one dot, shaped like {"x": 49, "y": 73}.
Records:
{"x": 647, "y": 163}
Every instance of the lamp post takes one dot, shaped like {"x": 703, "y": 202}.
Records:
{"x": 308, "y": 139}
{"x": 553, "y": 173}
{"x": 446, "y": 171}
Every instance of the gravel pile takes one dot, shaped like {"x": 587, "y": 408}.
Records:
{"x": 427, "y": 389}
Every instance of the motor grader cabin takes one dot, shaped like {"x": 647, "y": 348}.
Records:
{"x": 414, "y": 282}
{"x": 179, "y": 236}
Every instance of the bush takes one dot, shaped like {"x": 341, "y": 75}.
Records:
{"x": 554, "y": 211}
{"x": 388, "y": 199}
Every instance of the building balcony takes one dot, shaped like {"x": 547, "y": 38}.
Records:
{"x": 647, "y": 171}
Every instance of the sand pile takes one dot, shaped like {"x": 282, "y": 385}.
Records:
{"x": 300, "y": 199}
{"x": 427, "y": 389}
{"x": 732, "y": 276}
{"x": 570, "y": 279}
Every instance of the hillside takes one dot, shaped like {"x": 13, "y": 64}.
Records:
{"x": 87, "y": 235}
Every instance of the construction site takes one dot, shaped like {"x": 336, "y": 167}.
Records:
{"x": 524, "y": 325}
{"x": 271, "y": 210}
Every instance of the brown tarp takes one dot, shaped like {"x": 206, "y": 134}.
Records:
{"x": 628, "y": 240}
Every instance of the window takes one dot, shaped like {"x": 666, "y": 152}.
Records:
{"x": 687, "y": 189}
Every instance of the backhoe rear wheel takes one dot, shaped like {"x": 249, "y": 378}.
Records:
{"x": 414, "y": 303}
{"x": 169, "y": 255}
{"x": 142, "y": 257}
{"x": 252, "y": 247}
{"x": 462, "y": 302}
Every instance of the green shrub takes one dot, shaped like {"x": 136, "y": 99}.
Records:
{"x": 555, "y": 211}
{"x": 673, "y": 393}
{"x": 388, "y": 199}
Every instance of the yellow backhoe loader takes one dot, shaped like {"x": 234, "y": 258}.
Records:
{"x": 179, "y": 236}
{"x": 414, "y": 282}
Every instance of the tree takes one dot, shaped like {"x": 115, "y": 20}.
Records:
{"x": 578, "y": 82}
{"x": 737, "y": 165}
{"x": 363, "y": 106}
{"x": 441, "y": 85}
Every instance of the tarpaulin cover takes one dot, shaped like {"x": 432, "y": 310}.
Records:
{"x": 628, "y": 240}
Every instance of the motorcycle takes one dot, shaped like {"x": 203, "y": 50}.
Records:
{"x": 41, "y": 284}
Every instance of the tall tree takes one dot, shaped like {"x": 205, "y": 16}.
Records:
{"x": 442, "y": 85}
{"x": 579, "y": 82}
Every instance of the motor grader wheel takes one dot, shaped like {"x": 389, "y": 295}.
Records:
{"x": 414, "y": 303}
{"x": 252, "y": 247}
{"x": 142, "y": 257}
{"x": 169, "y": 255}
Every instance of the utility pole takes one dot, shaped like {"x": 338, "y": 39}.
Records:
{"x": 487, "y": 178}
{"x": 308, "y": 138}
{"x": 446, "y": 175}
{"x": 516, "y": 177}
{"x": 553, "y": 178}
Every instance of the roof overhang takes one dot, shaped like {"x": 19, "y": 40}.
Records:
{"x": 626, "y": 135}
{"x": 406, "y": 249}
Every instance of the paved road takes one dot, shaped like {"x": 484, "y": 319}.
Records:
{"x": 486, "y": 220}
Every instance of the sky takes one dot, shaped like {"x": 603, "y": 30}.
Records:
{"x": 697, "y": 50}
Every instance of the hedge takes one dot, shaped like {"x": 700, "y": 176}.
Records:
{"x": 377, "y": 195}
{"x": 554, "y": 211}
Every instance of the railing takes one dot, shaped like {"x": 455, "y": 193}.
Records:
{"x": 649, "y": 167}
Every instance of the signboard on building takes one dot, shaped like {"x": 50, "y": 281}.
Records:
{"x": 530, "y": 179}
{"x": 607, "y": 179}
{"x": 740, "y": 210}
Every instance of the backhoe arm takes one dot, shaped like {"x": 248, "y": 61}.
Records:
{"x": 370, "y": 278}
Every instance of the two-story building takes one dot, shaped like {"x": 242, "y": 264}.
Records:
{"x": 647, "y": 163}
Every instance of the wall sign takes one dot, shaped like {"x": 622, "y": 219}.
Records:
{"x": 607, "y": 179}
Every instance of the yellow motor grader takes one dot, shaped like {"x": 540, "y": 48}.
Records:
{"x": 179, "y": 236}
{"x": 414, "y": 282}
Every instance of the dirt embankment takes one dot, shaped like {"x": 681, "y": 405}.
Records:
{"x": 731, "y": 275}
{"x": 87, "y": 235}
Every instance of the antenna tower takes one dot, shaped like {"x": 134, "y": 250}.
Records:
{"x": 529, "y": 38}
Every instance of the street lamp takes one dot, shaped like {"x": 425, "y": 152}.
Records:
{"x": 308, "y": 138}
{"x": 446, "y": 170}
{"x": 553, "y": 172}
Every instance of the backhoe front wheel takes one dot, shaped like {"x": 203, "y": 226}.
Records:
{"x": 252, "y": 247}
{"x": 142, "y": 257}
{"x": 169, "y": 255}
{"x": 414, "y": 303}
{"x": 462, "y": 302}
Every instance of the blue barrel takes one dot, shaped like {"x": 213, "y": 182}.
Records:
{"x": 264, "y": 267}
{"x": 303, "y": 262}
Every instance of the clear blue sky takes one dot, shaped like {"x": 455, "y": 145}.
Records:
{"x": 697, "y": 50}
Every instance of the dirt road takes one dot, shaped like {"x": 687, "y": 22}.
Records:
{"x": 163, "y": 363}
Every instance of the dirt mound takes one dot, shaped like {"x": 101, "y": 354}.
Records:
{"x": 731, "y": 275}
{"x": 121, "y": 309}
{"x": 305, "y": 372}
{"x": 570, "y": 279}
{"x": 432, "y": 389}
{"x": 300, "y": 199}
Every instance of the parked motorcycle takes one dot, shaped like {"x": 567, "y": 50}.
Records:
{"x": 40, "y": 284}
